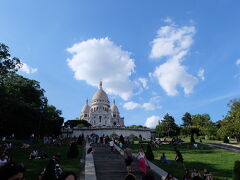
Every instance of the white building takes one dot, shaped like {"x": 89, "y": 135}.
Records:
{"x": 105, "y": 119}
{"x": 100, "y": 113}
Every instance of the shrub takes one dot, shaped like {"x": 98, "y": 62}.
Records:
{"x": 121, "y": 139}
{"x": 226, "y": 140}
{"x": 149, "y": 153}
{"x": 49, "y": 173}
{"x": 192, "y": 139}
{"x": 73, "y": 151}
{"x": 80, "y": 140}
{"x": 236, "y": 170}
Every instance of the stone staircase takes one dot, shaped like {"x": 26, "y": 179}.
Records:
{"x": 110, "y": 165}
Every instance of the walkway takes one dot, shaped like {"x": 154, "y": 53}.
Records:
{"x": 110, "y": 165}
{"x": 225, "y": 146}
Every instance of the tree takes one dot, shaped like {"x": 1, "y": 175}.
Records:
{"x": 23, "y": 107}
{"x": 121, "y": 139}
{"x": 75, "y": 123}
{"x": 230, "y": 125}
{"x": 49, "y": 173}
{"x": 204, "y": 124}
{"x": 167, "y": 127}
{"x": 7, "y": 63}
{"x": 149, "y": 153}
{"x": 187, "y": 120}
{"x": 236, "y": 170}
{"x": 73, "y": 151}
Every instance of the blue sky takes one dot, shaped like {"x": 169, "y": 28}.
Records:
{"x": 154, "y": 57}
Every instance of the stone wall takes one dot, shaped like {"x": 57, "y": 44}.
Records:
{"x": 144, "y": 132}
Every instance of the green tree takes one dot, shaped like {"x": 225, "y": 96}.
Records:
{"x": 23, "y": 107}
{"x": 167, "y": 127}
{"x": 149, "y": 153}
{"x": 187, "y": 120}
{"x": 73, "y": 151}
{"x": 205, "y": 125}
{"x": 7, "y": 63}
{"x": 230, "y": 125}
{"x": 49, "y": 173}
{"x": 75, "y": 123}
{"x": 236, "y": 170}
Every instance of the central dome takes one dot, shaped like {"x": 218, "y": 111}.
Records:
{"x": 100, "y": 95}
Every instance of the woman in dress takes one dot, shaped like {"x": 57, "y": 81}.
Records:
{"x": 142, "y": 161}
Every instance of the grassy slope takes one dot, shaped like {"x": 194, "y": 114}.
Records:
{"x": 219, "y": 162}
{"x": 35, "y": 166}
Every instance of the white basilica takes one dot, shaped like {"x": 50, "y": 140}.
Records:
{"x": 100, "y": 113}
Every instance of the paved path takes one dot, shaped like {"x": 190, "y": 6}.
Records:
{"x": 110, "y": 165}
{"x": 224, "y": 146}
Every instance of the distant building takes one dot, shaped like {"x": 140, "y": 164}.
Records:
{"x": 100, "y": 113}
{"x": 105, "y": 119}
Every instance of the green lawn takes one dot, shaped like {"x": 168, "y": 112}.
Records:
{"x": 35, "y": 166}
{"x": 219, "y": 162}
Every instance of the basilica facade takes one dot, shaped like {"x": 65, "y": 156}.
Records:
{"x": 100, "y": 113}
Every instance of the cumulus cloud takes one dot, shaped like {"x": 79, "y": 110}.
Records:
{"x": 143, "y": 82}
{"x": 100, "y": 59}
{"x": 27, "y": 69}
{"x": 148, "y": 106}
{"x": 152, "y": 121}
{"x": 173, "y": 43}
{"x": 201, "y": 74}
{"x": 238, "y": 62}
{"x": 131, "y": 105}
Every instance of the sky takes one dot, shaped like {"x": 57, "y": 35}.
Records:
{"x": 154, "y": 57}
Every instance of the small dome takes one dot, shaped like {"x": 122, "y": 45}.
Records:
{"x": 100, "y": 95}
{"x": 114, "y": 108}
{"x": 86, "y": 107}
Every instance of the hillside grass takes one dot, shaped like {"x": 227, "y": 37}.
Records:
{"x": 219, "y": 162}
{"x": 35, "y": 166}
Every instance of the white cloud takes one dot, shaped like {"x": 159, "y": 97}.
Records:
{"x": 131, "y": 105}
{"x": 238, "y": 62}
{"x": 27, "y": 69}
{"x": 148, "y": 106}
{"x": 100, "y": 59}
{"x": 173, "y": 43}
{"x": 143, "y": 82}
{"x": 152, "y": 121}
{"x": 201, "y": 74}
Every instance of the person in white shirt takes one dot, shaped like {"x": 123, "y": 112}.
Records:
{"x": 111, "y": 144}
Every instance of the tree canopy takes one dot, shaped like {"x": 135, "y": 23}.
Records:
{"x": 167, "y": 127}
{"x": 230, "y": 125}
{"x": 24, "y": 109}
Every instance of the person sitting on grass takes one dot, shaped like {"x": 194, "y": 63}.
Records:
{"x": 186, "y": 175}
{"x": 207, "y": 175}
{"x": 196, "y": 174}
{"x": 58, "y": 170}
{"x": 163, "y": 158}
{"x": 33, "y": 154}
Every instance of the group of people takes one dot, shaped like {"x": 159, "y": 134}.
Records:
{"x": 196, "y": 175}
{"x": 35, "y": 154}
{"x": 142, "y": 165}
